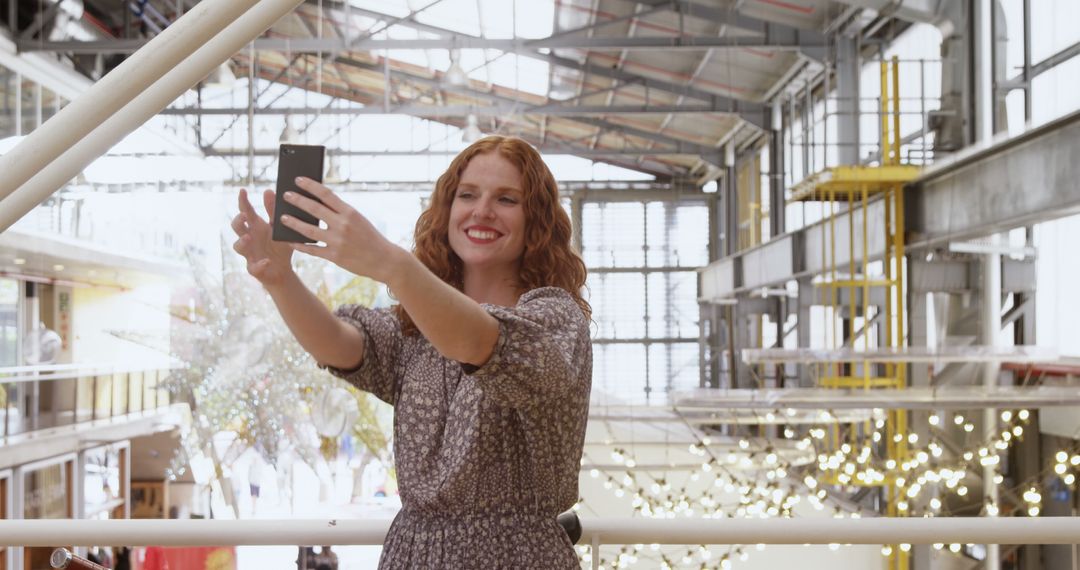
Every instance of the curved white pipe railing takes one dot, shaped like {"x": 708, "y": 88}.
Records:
{"x": 147, "y": 104}
{"x": 116, "y": 89}
{"x": 597, "y": 531}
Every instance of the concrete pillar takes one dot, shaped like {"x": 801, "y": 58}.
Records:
{"x": 802, "y": 327}
{"x": 847, "y": 104}
{"x": 777, "y": 206}
{"x": 730, "y": 200}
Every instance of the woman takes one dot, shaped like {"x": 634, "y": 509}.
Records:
{"x": 486, "y": 359}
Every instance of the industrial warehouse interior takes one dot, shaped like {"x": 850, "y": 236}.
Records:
{"x": 827, "y": 253}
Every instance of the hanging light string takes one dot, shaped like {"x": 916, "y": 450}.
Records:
{"x": 786, "y": 485}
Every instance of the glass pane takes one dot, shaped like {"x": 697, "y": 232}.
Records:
{"x": 9, "y": 322}
{"x": 103, "y": 396}
{"x": 59, "y": 408}
{"x": 673, "y": 367}
{"x": 84, "y": 403}
{"x": 7, "y": 103}
{"x": 29, "y": 107}
{"x": 101, "y": 484}
{"x": 120, "y": 394}
{"x": 46, "y": 493}
{"x": 613, "y": 234}
{"x": 678, "y": 234}
{"x": 619, "y": 370}
{"x": 150, "y": 388}
{"x": 618, "y": 301}
{"x": 135, "y": 391}
{"x": 673, "y": 307}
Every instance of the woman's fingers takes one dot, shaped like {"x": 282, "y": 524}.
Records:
{"x": 305, "y": 229}
{"x": 268, "y": 202}
{"x": 251, "y": 217}
{"x": 243, "y": 247}
{"x": 239, "y": 224}
{"x": 245, "y": 205}
{"x": 309, "y": 249}
{"x": 324, "y": 194}
{"x": 310, "y": 206}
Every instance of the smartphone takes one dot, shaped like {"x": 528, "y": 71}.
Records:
{"x": 295, "y": 160}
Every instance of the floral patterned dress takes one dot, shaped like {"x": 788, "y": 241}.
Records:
{"x": 486, "y": 457}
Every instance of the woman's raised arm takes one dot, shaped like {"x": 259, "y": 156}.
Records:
{"x": 458, "y": 327}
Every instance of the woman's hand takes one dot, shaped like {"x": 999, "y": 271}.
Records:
{"x": 352, "y": 242}
{"x": 268, "y": 261}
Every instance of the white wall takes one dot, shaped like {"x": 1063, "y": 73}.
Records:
{"x": 143, "y": 309}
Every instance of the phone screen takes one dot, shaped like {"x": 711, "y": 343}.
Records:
{"x": 295, "y": 160}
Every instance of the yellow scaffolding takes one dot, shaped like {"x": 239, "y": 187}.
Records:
{"x": 854, "y": 186}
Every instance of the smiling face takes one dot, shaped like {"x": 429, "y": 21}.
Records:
{"x": 487, "y": 215}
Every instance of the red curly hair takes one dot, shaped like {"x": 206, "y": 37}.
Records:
{"x": 549, "y": 260}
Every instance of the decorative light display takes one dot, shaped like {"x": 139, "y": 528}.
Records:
{"x": 243, "y": 372}
{"x": 768, "y": 486}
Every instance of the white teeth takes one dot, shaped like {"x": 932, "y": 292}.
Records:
{"x": 478, "y": 234}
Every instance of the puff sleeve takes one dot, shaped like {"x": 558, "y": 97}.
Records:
{"x": 378, "y": 373}
{"x": 542, "y": 351}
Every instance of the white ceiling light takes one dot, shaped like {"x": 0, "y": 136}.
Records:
{"x": 289, "y": 134}
{"x": 333, "y": 174}
{"x": 472, "y": 131}
{"x": 221, "y": 76}
{"x": 454, "y": 74}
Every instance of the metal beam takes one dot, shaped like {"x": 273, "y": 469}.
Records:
{"x": 730, "y": 17}
{"x": 681, "y": 146}
{"x": 1019, "y": 181}
{"x": 751, "y": 112}
{"x": 1016, "y": 182}
{"x": 547, "y": 149}
{"x": 708, "y": 154}
{"x": 1043, "y": 66}
{"x": 555, "y": 109}
{"x": 338, "y": 45}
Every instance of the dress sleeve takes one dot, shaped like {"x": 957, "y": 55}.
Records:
{"x": 541, "y": 351}
{"x": 378, "y": 372}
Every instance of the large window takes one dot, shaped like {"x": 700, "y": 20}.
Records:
{"x": 643, "y": 258}
{"x": 9, "y": 322}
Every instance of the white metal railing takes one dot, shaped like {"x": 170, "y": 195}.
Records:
{"x": 596, "y": 531}
{"x": 48, "y": 372}
{"x": 19, "y": 415}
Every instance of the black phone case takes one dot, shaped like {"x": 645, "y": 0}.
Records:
{"x": 295, "y": 160}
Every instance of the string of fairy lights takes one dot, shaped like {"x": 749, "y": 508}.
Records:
{"x": 767, "y": 485}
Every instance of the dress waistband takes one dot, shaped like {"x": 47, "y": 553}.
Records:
{"x": 421, "y": 515}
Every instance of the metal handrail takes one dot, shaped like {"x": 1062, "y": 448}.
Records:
{"x": 71, "y": 371}
{"x": 596, "y": 531}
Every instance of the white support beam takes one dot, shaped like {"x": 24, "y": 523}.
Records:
{"x": 907, "y": 354}
{"x": 37, "y": 157}
{"x": 115, "y": 90}
{"x": 793, "y": 402}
